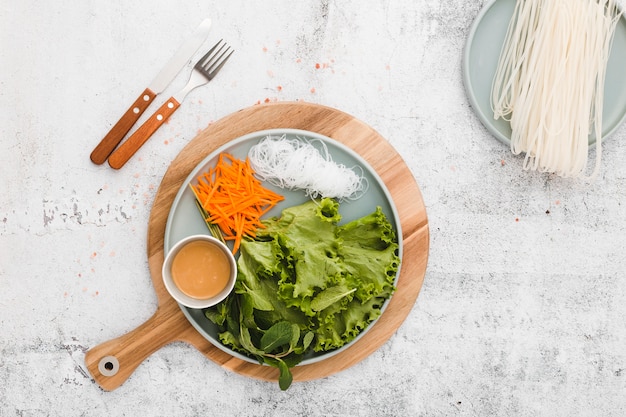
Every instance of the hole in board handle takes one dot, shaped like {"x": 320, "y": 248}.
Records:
{"x": 108, "y": 366}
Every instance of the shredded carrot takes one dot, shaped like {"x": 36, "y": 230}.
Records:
{"x": 233, "y": 198}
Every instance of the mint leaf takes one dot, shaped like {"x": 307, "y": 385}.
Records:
{"x": 330, "y": 296}
{"x": 295, "y": 336}
{"x": 285, "y": 377}
{"x": 246, "y": 342}
{"x": 276, "y": 336}
{"x": 308, "y": 338}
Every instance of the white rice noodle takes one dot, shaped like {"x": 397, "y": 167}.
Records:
{"x": 298, "y": 164}
{"x": 549, "y": 83}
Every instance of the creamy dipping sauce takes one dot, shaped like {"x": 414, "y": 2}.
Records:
{"x": 201, "y": 269}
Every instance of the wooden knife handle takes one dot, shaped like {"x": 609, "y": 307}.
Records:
{"x": 127, "y": 149}
{"x": 121, "y": 128}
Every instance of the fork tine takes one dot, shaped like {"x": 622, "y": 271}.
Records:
{"x": 207, "y": 57}
{"x": 216, "y": 56}
{"x": 216, "y": 66}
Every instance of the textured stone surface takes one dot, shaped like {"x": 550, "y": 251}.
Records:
{"x": 522, "y": 309}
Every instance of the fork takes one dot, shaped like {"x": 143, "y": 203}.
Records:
{"x": 204, "y": 71}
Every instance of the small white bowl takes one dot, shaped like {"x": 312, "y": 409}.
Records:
{"x": 185, "y": 299}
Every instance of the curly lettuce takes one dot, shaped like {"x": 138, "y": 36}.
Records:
{"x": 307, "y": 284}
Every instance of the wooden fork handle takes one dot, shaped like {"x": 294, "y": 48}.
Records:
{"x": 122, "y": 127}
{"x": 127, "y": 149}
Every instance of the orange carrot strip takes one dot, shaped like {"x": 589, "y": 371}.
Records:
{"x": 234, "y": 199}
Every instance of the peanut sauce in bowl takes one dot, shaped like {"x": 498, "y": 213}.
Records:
{"x": 199, "y": 271}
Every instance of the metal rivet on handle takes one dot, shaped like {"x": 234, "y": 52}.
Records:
{"x": 108, "y": 366}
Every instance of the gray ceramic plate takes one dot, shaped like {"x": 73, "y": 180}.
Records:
{"x": 185, "y": 220}
{"x": 480, "y": 61}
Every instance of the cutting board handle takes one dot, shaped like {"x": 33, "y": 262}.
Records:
{"x": 111, "y": 363}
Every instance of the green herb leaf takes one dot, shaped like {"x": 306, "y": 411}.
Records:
{"x": 308, "y": 338}
{"x": 246, "y": 342}
{"x": 330, "y": 296}
{"x": 276, "y": 336}
{"x": 295, "y": 336}
{"x": 246, "y": 316}
{"x": 259, "y": 301}
{"x": 285, "y": 377}
{"x": 313, "y": 284}
{"x": 229, "y": 339}
{"x": 217, "y": 314}
{"x": 232, "y": 320}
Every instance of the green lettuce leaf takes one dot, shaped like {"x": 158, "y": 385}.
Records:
{"x": 307, "y": 284}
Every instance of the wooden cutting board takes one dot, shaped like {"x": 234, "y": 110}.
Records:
{"x": 112, "y": 362}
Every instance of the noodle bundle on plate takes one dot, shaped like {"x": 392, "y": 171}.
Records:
{"x": 549, "y": 83}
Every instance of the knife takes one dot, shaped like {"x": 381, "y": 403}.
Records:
{"x": 162, "y": 80}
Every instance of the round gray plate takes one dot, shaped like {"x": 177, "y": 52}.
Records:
{"x": 185, "y": 220}
{"x": 480, "y": 61}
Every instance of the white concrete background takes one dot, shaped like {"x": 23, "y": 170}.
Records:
{"x": 523, "y": 305}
